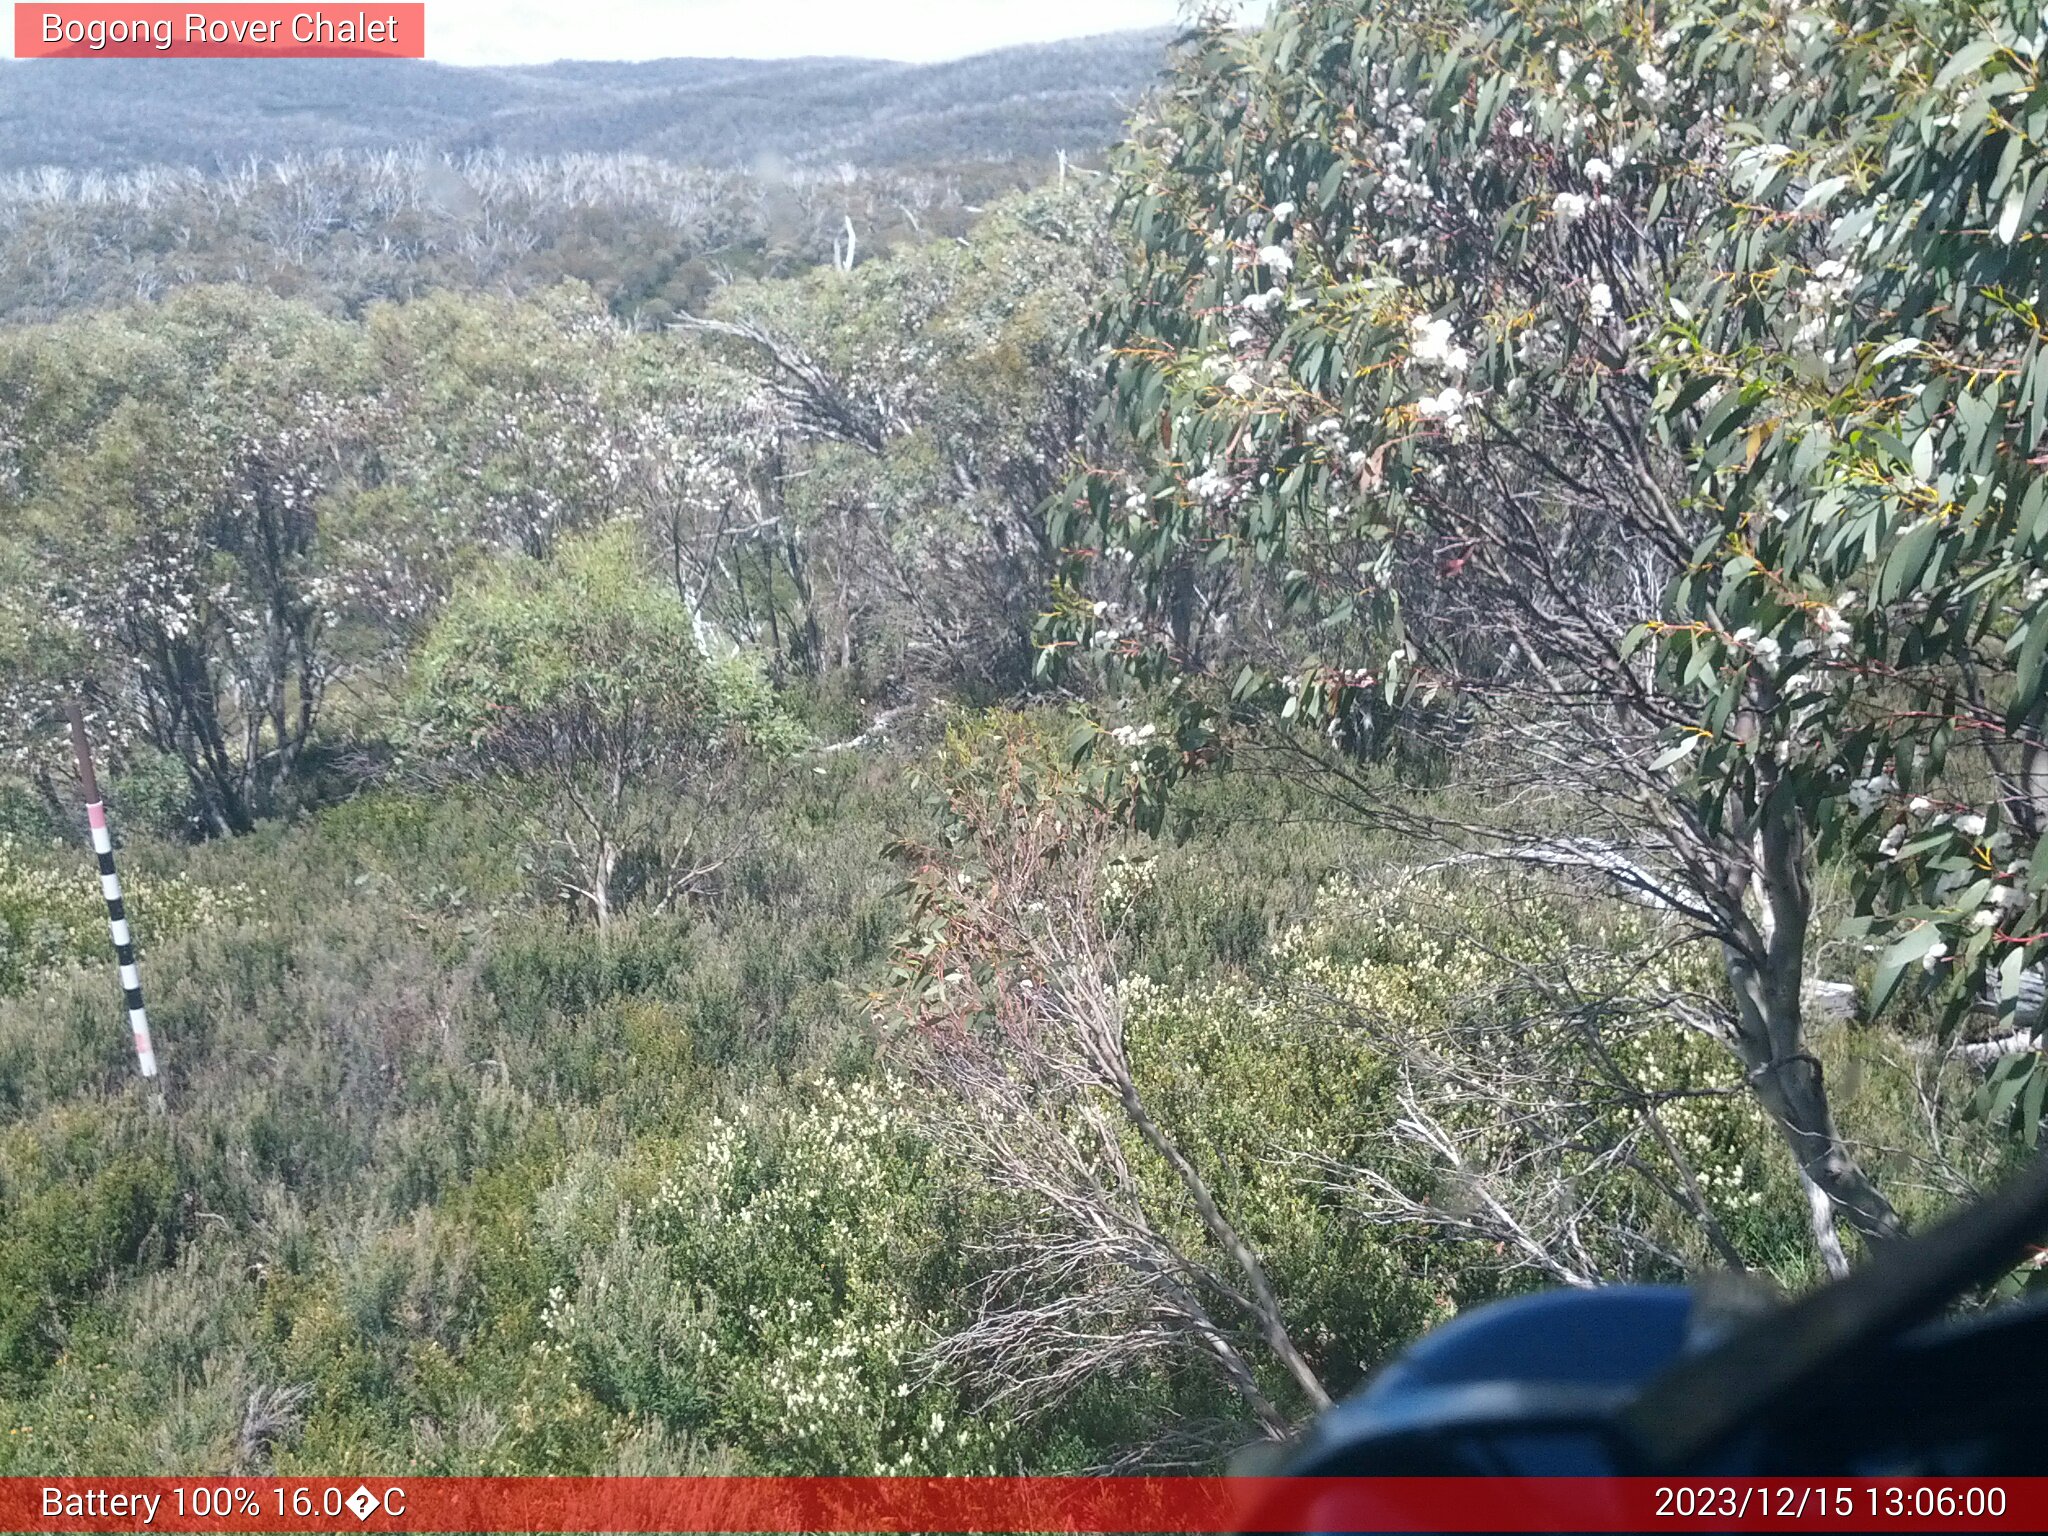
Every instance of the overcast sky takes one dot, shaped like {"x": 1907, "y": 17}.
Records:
{"x": 533, "y": 31}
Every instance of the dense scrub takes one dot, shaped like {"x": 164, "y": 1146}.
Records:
{"x": 445, "y": 1182}
{"x": 882, "y": 881}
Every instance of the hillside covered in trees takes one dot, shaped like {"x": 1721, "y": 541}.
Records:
{"x": 346, "y": 182}
{"x": 1017, "y": 103}
{"x": 1028, "y": 843}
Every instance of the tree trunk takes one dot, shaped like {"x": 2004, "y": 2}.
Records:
{"x": 1820, "y": 1210}
{"x": 1766, "y": 962}
{"x": 1793, "y": 1090}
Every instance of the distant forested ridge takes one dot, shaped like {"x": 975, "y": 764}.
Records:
{"x": 1016, "y": 103}
{"x": 349, "y": 183}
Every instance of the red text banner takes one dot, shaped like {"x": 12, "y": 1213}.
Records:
{"x": 115, "y": 31}
{"x": 1091, "y": 1505}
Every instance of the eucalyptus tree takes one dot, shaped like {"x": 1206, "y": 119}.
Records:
{"x": 913, "y": 417}
{"x": 168, "y": 476}
{"x": 509, "y": 417}
{"x": 1638, "y": 412}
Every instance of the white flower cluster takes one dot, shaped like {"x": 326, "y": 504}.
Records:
{"x": 1398, "y": 189}
{"x": 1575, "y": 112}
{"x": 1763, "y": 649}
{"x": 1970, "y": 824}
{"x": 2004, "y": 900}
{"x": 1866, "y": 795}
{"x": 821, "y": 1383}
{"x": 1836, "y": 634}
{"x": 1431, "y": 344}
{"x": 1448, "y": 406}
{"x": 1820, "y": 299}
{"x": 1211, "y": 486}
{"x": 831, "y": 1159}
{"x": 1126, "y": 885}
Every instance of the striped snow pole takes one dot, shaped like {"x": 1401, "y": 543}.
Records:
{"x": 110, "y": 887}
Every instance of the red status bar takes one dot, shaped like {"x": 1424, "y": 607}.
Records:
{"x": 998, "y": 1504}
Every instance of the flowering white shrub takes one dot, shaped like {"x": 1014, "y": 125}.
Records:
{"x": 1127, "y": 889}
{"x": 52, "y": 914}
{"x": 1534, "y": 1037}
{"x": 773, "y": 1292}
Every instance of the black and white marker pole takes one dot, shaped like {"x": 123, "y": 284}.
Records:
{"x": 110, "y": 887}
